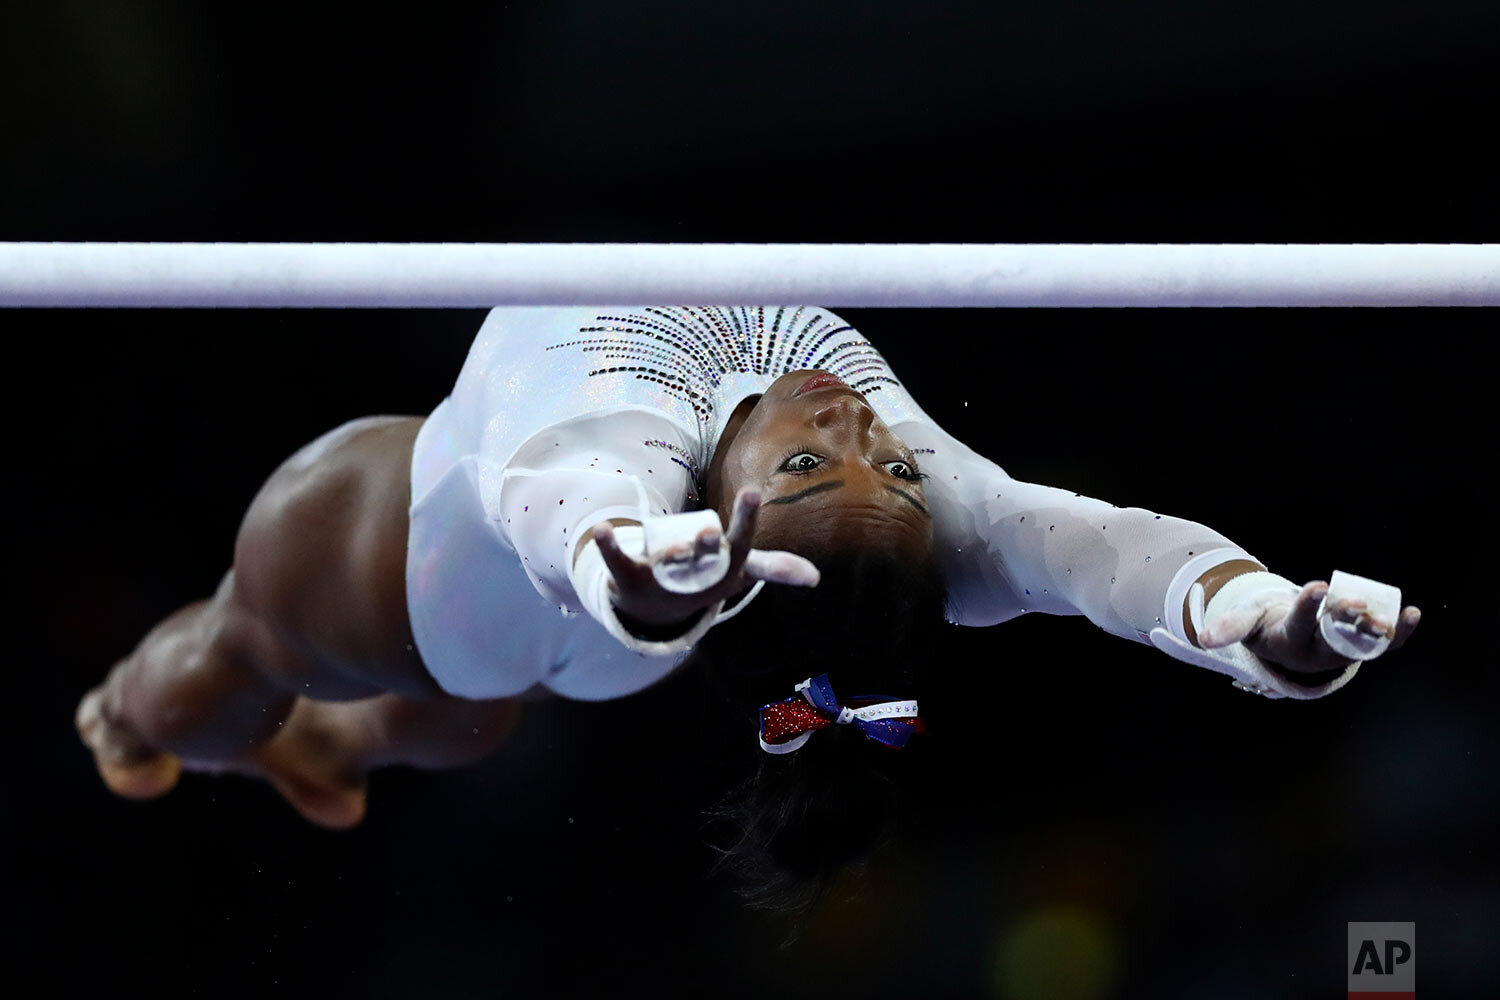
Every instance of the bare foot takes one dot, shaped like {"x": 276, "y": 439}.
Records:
{"x": 129, "y": 767}
{"x": 300, "y": 762}
{"x": 307, "y": 763}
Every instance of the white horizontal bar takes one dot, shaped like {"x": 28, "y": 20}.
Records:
{"x": 479, "y": 275}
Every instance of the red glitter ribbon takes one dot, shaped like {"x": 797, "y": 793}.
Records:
{"x": 784, "y": 721}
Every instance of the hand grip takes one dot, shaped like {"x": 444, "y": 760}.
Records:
{"x": 1382, "y": 601}
{"x": 676, "y": 563}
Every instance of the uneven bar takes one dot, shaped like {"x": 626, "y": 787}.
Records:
{"x": 480, "y": 275}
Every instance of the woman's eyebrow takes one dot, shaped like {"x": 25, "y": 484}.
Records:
{"x": 836, "y": 484}
{"x": 911, "y": 500}
{"x": 804, "y": 494}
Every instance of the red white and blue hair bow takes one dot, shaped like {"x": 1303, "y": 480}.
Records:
{"x": 786, "y": 725}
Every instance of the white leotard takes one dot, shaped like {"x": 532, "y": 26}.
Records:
{"x": 562, "y": 417}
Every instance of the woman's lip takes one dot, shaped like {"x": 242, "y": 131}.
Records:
{"x": 819, "y": 381}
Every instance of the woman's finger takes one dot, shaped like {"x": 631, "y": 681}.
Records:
{"x": 742, "y": 526}
{"x": 707, "y": 542}
{"x": 623, "y": 568}
{"x": 1405, "y": 626}
{"x": 1301, "y": 623}
{"x": 781, "y": 567}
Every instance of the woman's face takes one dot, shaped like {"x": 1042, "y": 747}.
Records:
{"x": 831, "y": 474}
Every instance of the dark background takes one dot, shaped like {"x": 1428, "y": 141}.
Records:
{"x": 1100, "y": 820}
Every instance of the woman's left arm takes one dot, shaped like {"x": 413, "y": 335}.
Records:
{"x": 1282, "y": 629}
{"x": 1010, "y": 546}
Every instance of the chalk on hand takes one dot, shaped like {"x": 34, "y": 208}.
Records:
{"x": 671, "y": 546}
{"x": 1382, "y": 601}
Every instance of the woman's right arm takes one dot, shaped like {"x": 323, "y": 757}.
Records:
{"x": 705, "y": 563}
{"x": 625, "y": 469}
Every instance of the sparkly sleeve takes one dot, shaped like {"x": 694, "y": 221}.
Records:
{"x": 629, "y": 463}
{"x": 1010, "y": 547}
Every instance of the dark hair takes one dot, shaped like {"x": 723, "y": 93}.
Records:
{"x": 789, "y": 829}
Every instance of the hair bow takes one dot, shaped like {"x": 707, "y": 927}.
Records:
{"x": 787, "y": 724}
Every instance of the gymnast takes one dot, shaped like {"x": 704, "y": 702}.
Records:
{"x": 610, "y": 495}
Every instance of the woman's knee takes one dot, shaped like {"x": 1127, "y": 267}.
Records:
{"x": 200, "y": 678}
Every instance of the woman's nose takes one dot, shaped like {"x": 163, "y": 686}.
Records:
{"x": 845, "y": 413}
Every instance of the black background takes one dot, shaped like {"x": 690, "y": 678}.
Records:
{"x": 1105, "y": 821}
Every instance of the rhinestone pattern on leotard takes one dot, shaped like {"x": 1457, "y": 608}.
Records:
{"x": 711, "y": 357}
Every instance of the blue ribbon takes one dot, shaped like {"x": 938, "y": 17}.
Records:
{"x": 891, "y": 732}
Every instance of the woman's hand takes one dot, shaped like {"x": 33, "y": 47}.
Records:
{"x": 1288, "y": 635}
{"x": 638, "y": 595}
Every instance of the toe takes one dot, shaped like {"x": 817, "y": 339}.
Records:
{"x": 129, "y": 768}
{"x": 86, "y": 719}
{"x": 146, "y": 779}
{"x": 331, "y": 807}
{"x": 332, "y": 800}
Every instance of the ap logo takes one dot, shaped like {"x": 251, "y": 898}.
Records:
{"x": 1382, "y": 961}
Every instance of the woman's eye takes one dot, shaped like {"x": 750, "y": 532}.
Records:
{"x": 903, "y": 470}
{"x": 801, "y": 462}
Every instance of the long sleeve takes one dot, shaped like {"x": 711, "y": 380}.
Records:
{"x": 573, "y": 475}
{"x": 491, "y": 601}
{"x": 562, "y": 417}
{"x": 1011, "y": 546}
{"x": 564, "y": 481}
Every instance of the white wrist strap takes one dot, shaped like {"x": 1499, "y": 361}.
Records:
{"x": 744, "y": 602}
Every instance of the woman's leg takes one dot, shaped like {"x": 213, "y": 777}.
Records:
{"x": 320, "y": 758}
{"x": 315, "y": 606}
{"x": 194, "y": 687}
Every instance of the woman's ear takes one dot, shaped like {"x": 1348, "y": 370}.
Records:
{"x": 717, "y": 494}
